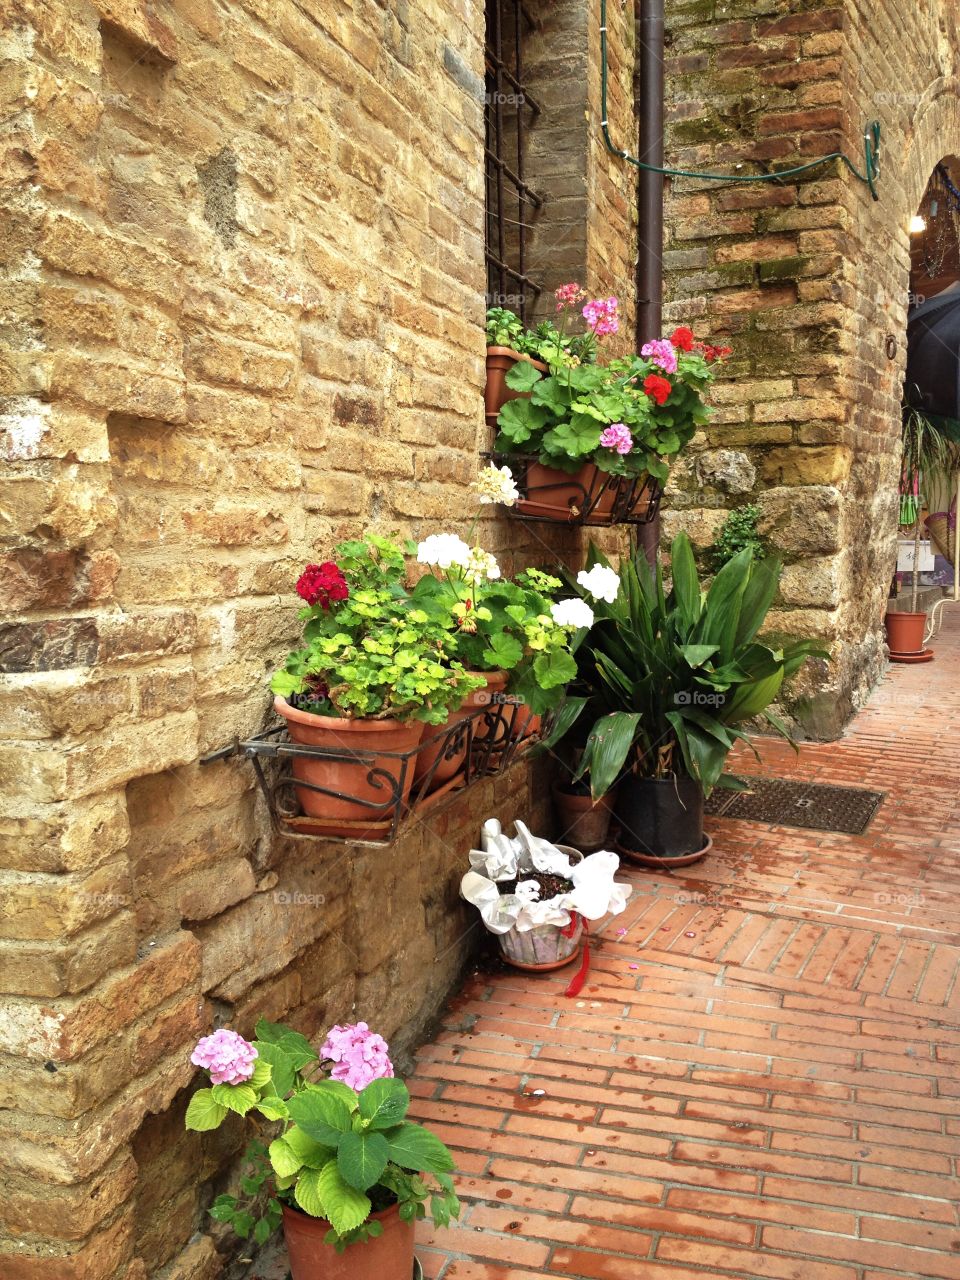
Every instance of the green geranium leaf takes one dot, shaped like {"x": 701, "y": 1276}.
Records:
{"x": 236, "y": 1097}
{"x": 416, "y": 1148}
{"x": 554, "y": 668}
{"x": 384, "y": 1103}
{"x": 503, "y": 651}
{"x": 362, "y": 1157}
{"x": 523, "y": 376}
{"x": 204, "y": 1112}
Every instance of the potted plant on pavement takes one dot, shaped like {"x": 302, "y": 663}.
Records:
{"x": 597, "y": 440}
{"x": 536, "y": 897}
{"x": 373, "y": 670}
{"x": 925, "y": 457}
{"x": 665, "y": 682}
{"x": 340, "y": 1166}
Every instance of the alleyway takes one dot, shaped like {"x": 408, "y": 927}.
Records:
{"x": 762, "y": 1077}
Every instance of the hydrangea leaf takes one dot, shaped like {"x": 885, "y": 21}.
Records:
{"x": 204, "y": 1112}
{"x": 384, "y": 1103}
{"x": 362, "y": 1157}
{"x": 413, "y": 1147}
{"x": 236, "y": 1097}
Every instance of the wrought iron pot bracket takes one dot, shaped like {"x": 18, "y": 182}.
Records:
{"x": 483, "y": 743}
{"x": 606, "y": 500}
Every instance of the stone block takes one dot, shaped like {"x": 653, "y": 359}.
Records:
{"x": 806, "y": 465}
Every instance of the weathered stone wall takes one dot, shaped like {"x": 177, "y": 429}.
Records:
{"x": 807, "y": 278}
{"x": 242, "y": 318}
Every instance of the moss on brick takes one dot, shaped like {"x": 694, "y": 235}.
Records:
{"x": 781, "y": 269}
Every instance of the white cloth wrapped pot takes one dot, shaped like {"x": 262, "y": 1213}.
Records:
{"x": 539, "y": 933}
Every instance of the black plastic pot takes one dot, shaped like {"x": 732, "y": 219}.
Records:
{"x": 660, "y": 817}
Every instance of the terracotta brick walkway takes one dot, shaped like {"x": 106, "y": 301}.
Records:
{"x": 762, "y": 1077}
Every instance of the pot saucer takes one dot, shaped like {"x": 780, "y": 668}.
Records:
{"x": 663, "y": 864}
{"x": 924, "y": 655}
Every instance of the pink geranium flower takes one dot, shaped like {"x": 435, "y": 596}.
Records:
{"x": 617, "y": 436}
{"x": 662, "y": 352}
{"x": 601, "y": 314}
{"x": 226, "y": 1055}
{"x": 359, "y": 1055}
{"x": 567, "y": 295}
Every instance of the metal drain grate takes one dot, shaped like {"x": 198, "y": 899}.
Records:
{"x": 799, "y": 804}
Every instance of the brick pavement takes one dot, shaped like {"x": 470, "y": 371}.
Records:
{"x": 762, "y": 1076}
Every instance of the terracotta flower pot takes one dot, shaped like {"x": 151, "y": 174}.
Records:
{"x": 388, "y": 1257}
{"x": 905, "y": 631}
{"x": 448, "y": 767}
{"x": 367, "y": 779}
{"x": 584, "y": 821}
{"x": 500, "y": 360}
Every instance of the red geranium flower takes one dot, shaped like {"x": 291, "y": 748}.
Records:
{"x": 682, "y": 338}
{"x": 322, "y": 583}
{"x": 657, "y": 388}
{"x": 711, "y": 353}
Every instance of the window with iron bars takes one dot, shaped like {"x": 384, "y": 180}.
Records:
{"x": 511, "y": 203}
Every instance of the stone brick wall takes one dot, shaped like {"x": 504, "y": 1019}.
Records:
{"x": 243, "y": 271}
{"x": 807, "y": 278}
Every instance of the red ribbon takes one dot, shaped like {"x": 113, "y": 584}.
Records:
{"x": 577, "y": 981}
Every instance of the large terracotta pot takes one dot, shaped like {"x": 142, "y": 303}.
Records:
{"x": 351, "y": 778}
{"x": 496, "y": 393}
{"x": 446, "y": 768}
{"x": 905, "y": 631}
{"x": 388, "y": 1257}
{"x": 560, "y": 495}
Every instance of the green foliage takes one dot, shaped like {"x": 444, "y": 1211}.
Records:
{"x": 375, "y": 654}
{"x": 569, "y": 408}
{"x": 337, "y": 1153}
{"x": 665, "y": 679}
{"x": 505, "y": 626}
{"x": 545, "y": 342}
{"x": 737, "y": 533}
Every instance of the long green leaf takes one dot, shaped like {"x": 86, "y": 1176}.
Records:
{"x": 608, "y": 746}
{"x": 564, "y": 720}
{"x": 757, "y": 598}
{"x": 686, "y": 584}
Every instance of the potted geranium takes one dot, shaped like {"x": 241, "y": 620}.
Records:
{"x": 340, "y": 1166}
{"x": 373, "y": 670}
{"x": 598, "y": 439}
{"x": 512, "y": 634}
{"x": 666, "y": 680}
{"x": 509, "y": 342}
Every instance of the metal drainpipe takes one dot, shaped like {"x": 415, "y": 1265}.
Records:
{"x": 650, "y": 201}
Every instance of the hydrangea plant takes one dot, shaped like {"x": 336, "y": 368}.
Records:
{"x": 341, "y": 1148}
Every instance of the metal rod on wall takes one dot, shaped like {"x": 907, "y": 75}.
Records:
{"x": 650, "y": 199}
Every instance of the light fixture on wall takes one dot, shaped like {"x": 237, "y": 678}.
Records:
{"x": 918, "y": 224}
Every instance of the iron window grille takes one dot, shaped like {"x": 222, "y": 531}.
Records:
{"x": 509, "y": 110}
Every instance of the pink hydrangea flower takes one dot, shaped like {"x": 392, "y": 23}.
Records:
{"x": 359, "y": 1055}
{"x": 617, "y": 436}
{"x": 662, "y": 352}
{"x": 227, "y": 1056}
{"x": 567, "y": 295}
{"x": 601, "y": 314}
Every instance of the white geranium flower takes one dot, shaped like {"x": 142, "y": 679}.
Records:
{"x": 481, "y": 567}
{"x": 496, "y": 484}
{"x": 602, "y": 583}
{"x": 443, "y": 550}
{"x": 572, "y": 613}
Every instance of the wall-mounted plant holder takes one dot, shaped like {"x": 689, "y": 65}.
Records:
{"x": 385, "y": 789}
{"x": 585, "y": 497}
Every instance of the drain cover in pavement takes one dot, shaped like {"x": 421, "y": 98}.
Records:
{"x": 798, "y": 804}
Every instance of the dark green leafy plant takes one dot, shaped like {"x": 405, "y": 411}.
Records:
{"x": 504, "y": 328}
{"x": 737, "y": 533}
{"x": 926, "y": 457}
{"x": 665, "y": 679}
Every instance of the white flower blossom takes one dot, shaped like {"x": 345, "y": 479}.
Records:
{"x": 481, "y": 567}
{"x": 600, "y": 582}
{"x": 572, "y": 613}
{"x": 443, "y": 550}
{"x": 496, "y": 484}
